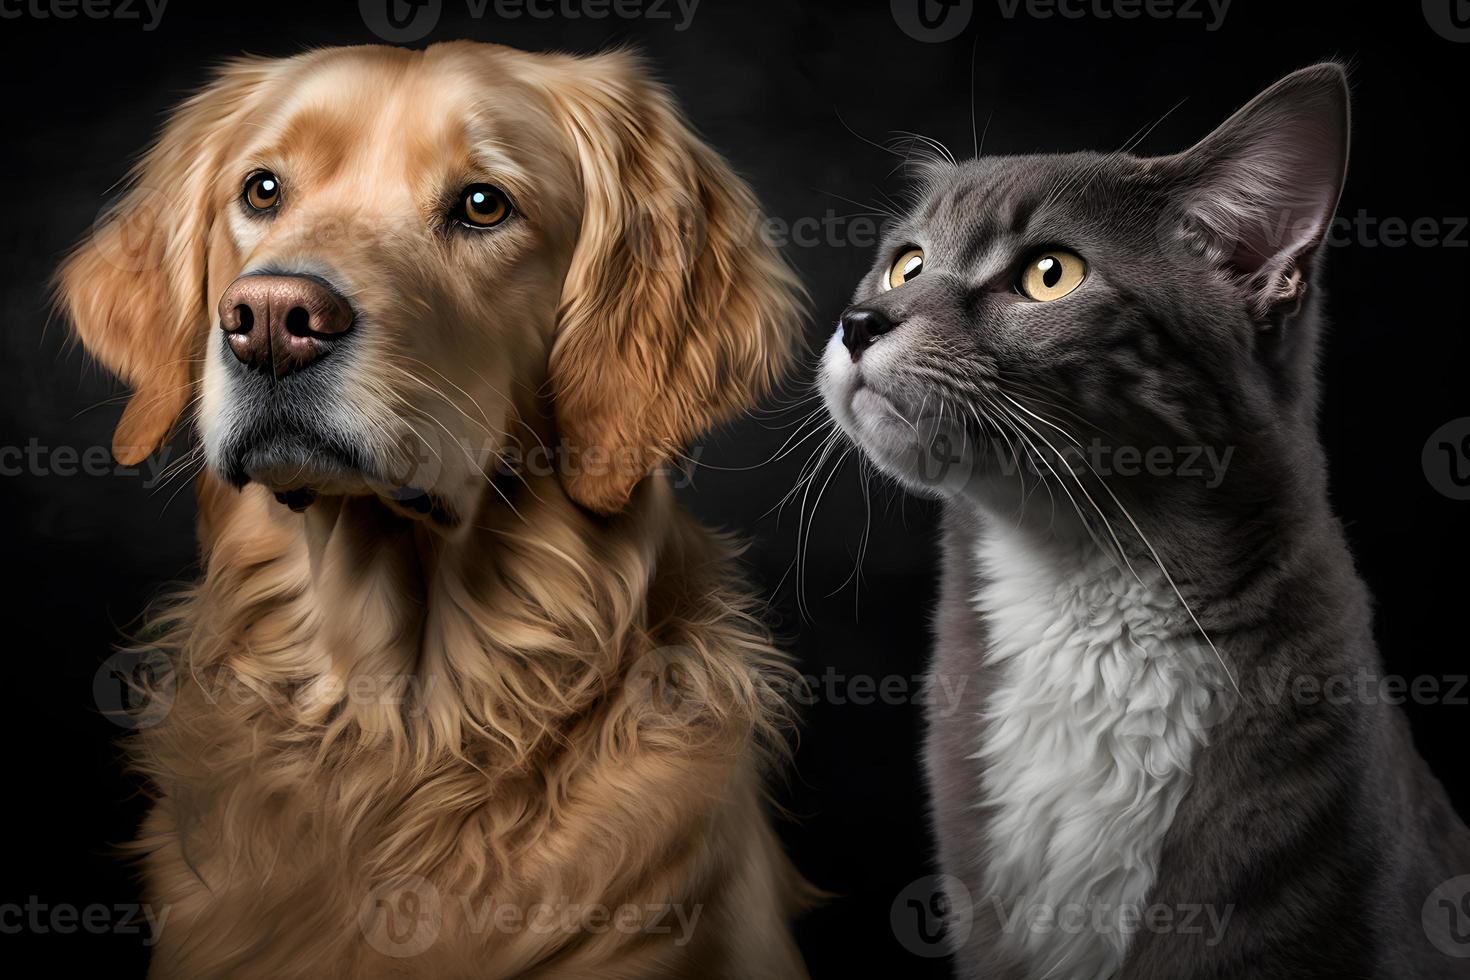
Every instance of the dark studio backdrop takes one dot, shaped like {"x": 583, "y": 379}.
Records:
{"x": 792, "y": 93}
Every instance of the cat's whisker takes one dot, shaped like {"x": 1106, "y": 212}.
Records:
{"x": 805, "y": 545}
{"x": 1083, "y": 178}
{"x": 1078, "y": 480}
{"x": 1062, "y": 483}
{"x": 938, "y": 147}
{"x": 842, "y": 197}
{"x": 1018, "y": 460}
{"x": 781, "y": 405}
{"x": 1137, "y": 138}
{"x": 865, "y": 473}
{"x": 1029, "y": 394}
{"x": 803, "y": 522}
{"x": 807, "y": 469}
{"x": 1152, "y": 552}
{"x": 871, "y": 142}
{"x": 790, "y": 445}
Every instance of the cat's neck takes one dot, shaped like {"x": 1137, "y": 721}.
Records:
{"x": 1261, "y": 547}
{"x": 1097, "y": 675}
{"x": 1251, "y": 528}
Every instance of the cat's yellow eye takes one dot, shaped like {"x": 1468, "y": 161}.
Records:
{"x": 1052, "y": 275}
{"x": 904, "y": 268}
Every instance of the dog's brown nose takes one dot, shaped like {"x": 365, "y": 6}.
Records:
{"x": 282, "y": 323}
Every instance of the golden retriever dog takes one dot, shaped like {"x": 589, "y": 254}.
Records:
{"x": 461, "y": 693}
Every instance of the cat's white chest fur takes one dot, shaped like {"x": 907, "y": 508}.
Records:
{"x": 1088, "y": 739}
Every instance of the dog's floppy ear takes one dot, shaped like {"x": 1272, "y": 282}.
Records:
{"x": 135, "y": 289}
{"x": 676, "y": 313}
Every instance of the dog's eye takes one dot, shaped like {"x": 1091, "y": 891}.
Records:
{"x": 908, "y": 265}
{"x": 483, "y": 206}
{"x": 262, "y": 191}
{"x": 1052, "y": 275}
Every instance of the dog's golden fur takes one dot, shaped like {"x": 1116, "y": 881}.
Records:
{"x": 393, "y": 742}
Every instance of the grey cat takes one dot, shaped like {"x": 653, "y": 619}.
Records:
{"x": 1177, "y": 755}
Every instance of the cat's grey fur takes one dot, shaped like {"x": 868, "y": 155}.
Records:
{"x": 1312, "y": 819}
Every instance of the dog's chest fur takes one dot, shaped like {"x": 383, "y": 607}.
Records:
{"x": 1086, "y": 744}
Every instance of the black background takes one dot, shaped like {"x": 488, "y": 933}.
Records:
{"x": 791, "y": 93}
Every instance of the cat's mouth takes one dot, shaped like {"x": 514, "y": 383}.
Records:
{"x": 872, "y": 415}
{"x": 912, "y": 432}
{"x": 858, "y": 404}
{"x": 866, "y": 398}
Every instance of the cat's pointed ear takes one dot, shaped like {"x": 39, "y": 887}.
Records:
{"x": 1258, "y": 194}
